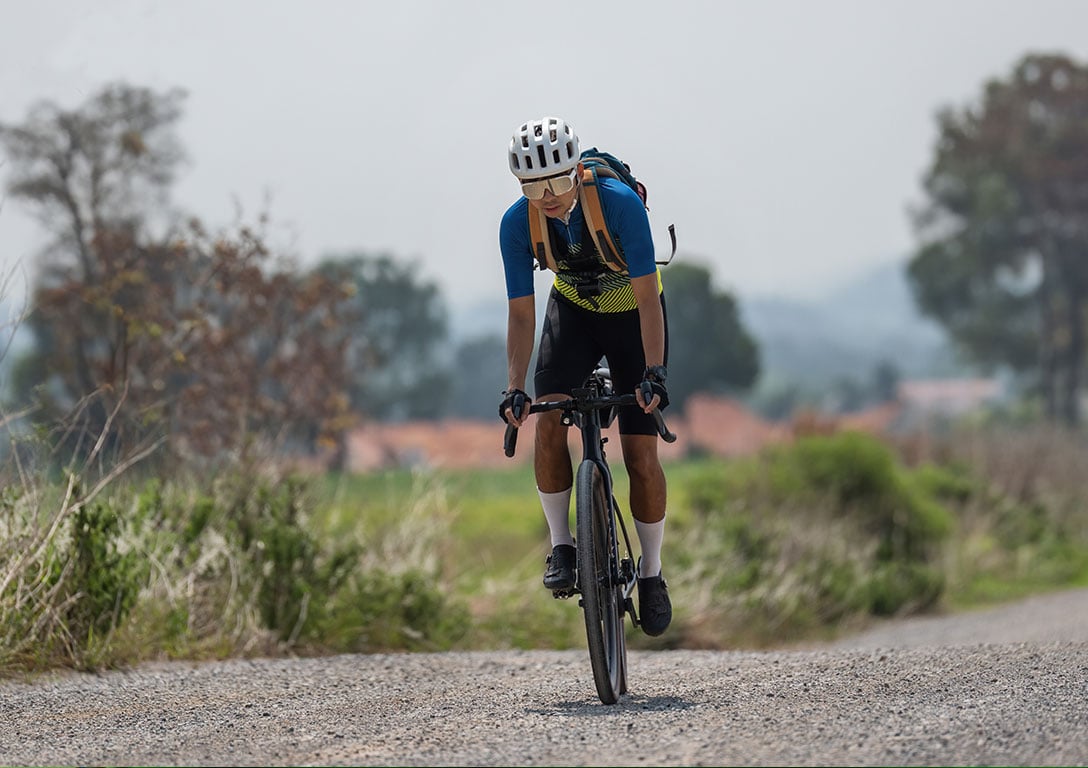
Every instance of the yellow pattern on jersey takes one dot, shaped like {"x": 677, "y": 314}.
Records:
{"x": 616, "y": 293}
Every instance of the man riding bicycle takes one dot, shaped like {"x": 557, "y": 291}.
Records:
{"x": 592, "y": 311}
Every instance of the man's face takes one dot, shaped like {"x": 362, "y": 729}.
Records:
{"x": 558, "y": 191}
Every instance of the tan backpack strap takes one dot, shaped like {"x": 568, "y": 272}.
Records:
{"x": 540, "y": 240}
{"x": 594, "y": 213}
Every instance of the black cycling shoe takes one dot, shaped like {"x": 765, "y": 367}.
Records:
{"x": 654, "y": 606}
{"x": 562, "y": 563}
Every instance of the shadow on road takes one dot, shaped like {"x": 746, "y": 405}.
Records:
{"x": 628, "y": 703}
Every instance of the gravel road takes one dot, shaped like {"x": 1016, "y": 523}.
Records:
{"x": 1007, "y": 686}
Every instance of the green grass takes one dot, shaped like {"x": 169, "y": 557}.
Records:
{"x": 497, "y": 523}
{"x": 495, "y": 514}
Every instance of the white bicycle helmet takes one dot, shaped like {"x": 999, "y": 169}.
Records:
{"x": 543, "y": 147}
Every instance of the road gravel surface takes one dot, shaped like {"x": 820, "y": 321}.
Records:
{"x": 1007, "y": 686}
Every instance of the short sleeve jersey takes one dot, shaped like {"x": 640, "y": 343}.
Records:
{"x": 629, "y": 225}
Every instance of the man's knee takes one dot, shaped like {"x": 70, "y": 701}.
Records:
{"x": 551, "y": 434}
{"x": 640, "y": 457}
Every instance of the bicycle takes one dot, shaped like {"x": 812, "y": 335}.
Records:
{"x": 606, "y": 571}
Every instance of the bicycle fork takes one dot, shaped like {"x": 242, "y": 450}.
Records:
{"x": 621, "y": 570}
{"x": 626, "y": 567}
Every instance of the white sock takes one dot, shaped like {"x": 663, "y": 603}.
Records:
{"x": 650, "y": 536}
{"x": 557, "y": 513}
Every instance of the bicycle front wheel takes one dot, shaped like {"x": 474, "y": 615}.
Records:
{"x": 598, "y": 576}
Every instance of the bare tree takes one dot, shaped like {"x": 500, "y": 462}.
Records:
{"x": 184, "y": 333}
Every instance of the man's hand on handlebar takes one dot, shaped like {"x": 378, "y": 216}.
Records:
{"x": 514, "y": 408}
{"x": 651, "y": 393}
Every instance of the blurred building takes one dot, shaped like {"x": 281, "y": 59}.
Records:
{"x": 710, "y": 425}
{"x": 947, "y": 398}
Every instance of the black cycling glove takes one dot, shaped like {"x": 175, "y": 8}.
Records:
{"x": 514, "y": 399}
{"x": 653, "y": 383}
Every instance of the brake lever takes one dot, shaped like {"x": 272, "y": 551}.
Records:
{"x": 662, "y": 430}
{"x": 647, "y": 391}
{"x": 510, "y": 440}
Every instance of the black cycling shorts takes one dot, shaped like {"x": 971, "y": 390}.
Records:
{"x": 572, "y": 343}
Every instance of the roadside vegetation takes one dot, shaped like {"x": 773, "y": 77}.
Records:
{"x": 799, "y": 543}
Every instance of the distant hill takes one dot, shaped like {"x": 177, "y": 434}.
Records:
{"x": 870, "y": 319}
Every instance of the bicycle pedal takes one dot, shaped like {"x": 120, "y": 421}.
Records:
{"x": 563, "y": 594}
{"x": 629, "y": 607}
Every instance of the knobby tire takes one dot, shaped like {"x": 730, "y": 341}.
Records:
{"x": 602, "y": 601}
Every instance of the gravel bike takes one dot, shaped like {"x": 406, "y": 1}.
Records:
{"x": 606, "y": 570}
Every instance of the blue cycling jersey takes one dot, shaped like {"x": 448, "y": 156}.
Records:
{"x": 626, "y": 219}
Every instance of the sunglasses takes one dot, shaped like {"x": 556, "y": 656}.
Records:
{"x": 559, "y": 185}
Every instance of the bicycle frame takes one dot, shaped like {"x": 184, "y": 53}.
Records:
{"x": 588, "y": 422}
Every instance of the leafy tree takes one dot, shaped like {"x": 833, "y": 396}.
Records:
{"x": 1003, "y": 260}
{"x": 709, "y": 349}
{"x": 185, "y": 336}
{"x": 399, "y": 331}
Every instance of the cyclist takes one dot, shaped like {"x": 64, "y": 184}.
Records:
{"x": 591, "y": 312}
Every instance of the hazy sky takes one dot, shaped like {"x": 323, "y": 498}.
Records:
{"x": 786, "y": 140}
